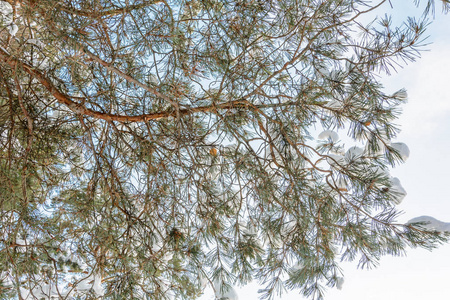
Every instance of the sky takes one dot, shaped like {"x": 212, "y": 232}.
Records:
{"x": 425, "y": 125}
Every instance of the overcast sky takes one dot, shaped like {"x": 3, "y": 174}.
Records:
{"x": 425, "y": 124}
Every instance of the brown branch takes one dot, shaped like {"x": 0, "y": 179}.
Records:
{"x": 109, "y": 12}
{"x": 81, "y": 109}
{"x": 11, "y": 116}
{"x": 29, "y": 138}
{"x": 89, "y": 13}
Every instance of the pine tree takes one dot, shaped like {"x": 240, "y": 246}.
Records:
{"x": 152, "y": 148}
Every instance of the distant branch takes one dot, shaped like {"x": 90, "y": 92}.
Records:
{"x": 128, "y": 78}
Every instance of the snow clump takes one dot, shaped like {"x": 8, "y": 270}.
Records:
{"x": 398, "y": 190}
{"x": 6, "y": 12}
{"x": 329, "y": 134}
{"x": 429, "y": 223}
{"x": 402, "y": 150}
{"x": 224, "y": 291}
{"x": 354, "y": 153}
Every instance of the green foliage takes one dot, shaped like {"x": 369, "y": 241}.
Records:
{"x": 152, "y": 148}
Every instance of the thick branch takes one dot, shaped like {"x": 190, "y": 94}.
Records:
{"x": 81, "y": 109}
{"x": 108, "y": 12}
{"x": 93, "y": 13}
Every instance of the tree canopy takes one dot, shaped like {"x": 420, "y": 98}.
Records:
{"x": 152, "y": 148}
